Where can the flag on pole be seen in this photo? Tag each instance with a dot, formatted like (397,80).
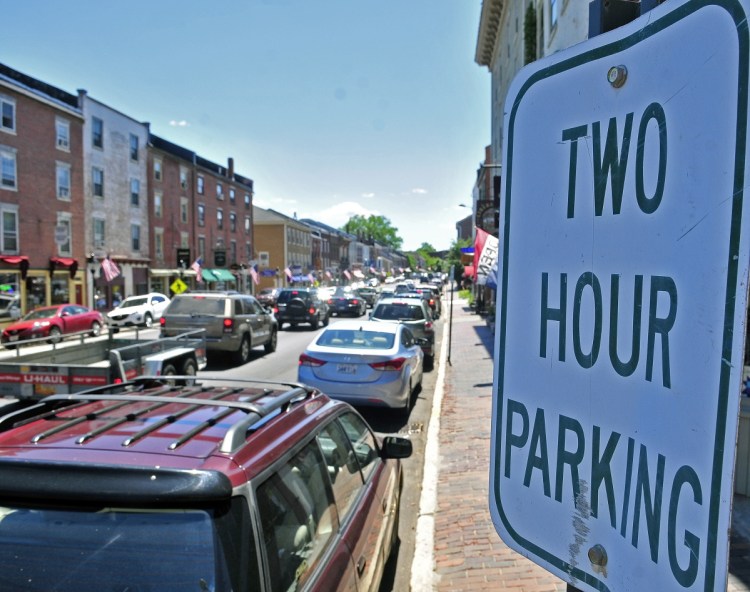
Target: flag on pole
(288,273)
(254,274)
(347,274)
(196,267)
(110,269)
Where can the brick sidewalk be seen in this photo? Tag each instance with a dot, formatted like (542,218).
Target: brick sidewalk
(468,554)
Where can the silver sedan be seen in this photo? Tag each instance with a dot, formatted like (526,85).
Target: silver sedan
(365,363)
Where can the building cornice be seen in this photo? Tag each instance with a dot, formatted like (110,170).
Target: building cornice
(489,27)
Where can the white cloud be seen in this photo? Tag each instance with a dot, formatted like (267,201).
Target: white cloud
(339,214)
(180,123)
(368,195)
(419,191)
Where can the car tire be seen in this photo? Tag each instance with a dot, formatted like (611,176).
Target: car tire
(55,335)
(429,362)
(189,367)
(168,370)
(96,329)
(314,322)
(148,320)
(326,320)
(242,355)
(270,345)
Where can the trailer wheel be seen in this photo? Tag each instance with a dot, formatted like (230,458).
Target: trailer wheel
(190,368)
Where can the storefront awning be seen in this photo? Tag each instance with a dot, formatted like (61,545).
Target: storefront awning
(218,275)
(21,260)
(67,262)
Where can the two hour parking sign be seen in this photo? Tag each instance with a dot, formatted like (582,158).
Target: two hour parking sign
(621,304)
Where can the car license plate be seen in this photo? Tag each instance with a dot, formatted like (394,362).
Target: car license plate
(13,338)
(346,368)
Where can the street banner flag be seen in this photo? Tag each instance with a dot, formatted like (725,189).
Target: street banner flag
(328,275)
(254,274)
(110,269)
(288,273)
(347,274)
(485,259)
(196,267)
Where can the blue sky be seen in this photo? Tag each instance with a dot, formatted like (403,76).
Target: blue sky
(332,107)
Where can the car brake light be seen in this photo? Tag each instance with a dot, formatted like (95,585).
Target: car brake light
(312,310)
(394,365)
(228,325)
(275,310)
(305,360)
(355,301)
(428,326)
(162,322)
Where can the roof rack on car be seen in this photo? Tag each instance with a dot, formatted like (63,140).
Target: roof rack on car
(166,394)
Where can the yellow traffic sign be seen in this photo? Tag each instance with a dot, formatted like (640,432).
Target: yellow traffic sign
(178,286)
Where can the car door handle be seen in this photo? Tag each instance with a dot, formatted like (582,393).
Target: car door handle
(361,565)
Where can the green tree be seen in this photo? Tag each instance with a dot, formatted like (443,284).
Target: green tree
(375,228)
(427,252)
(454,257)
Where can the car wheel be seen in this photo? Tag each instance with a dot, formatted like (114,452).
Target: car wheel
(429,362)
(407,406)
(148,320)
(326,320)
(55,335)
(189,367)
(270,345)
(315,322)
(243,352)
(96,328)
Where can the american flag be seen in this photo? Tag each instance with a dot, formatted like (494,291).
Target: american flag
(254,274)
(347,274)
(288,273)
(110,269)
(196,267)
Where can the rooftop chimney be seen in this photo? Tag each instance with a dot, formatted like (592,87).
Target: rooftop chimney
(230,168)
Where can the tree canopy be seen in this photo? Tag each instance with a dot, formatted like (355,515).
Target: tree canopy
(375,228)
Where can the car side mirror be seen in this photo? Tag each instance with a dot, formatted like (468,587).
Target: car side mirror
(396,447)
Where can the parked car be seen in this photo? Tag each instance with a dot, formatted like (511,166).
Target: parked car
(10,306)
(260,487)
(364,363)
(346,301)
(414,313)
(234,323)
(434,301)
(369,293)
(301,306)
(267,297)
(138,310)
(53,322)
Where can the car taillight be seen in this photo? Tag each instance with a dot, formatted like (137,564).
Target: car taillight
(432,302)
(228,325)
(275,310)
(393,365)
(311,310)
(305,360)
(162,322)
(428,326)
(355,301)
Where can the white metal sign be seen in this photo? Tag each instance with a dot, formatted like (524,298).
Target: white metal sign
(622,300)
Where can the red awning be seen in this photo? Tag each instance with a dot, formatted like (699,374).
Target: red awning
(21,260)
(67,262)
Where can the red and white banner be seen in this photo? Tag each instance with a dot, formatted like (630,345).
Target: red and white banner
(110,269)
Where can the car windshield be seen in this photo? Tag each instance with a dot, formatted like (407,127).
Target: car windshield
(40,313)
(119,549)
(132,302)
(353,339)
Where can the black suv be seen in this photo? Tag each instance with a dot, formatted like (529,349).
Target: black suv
(251,487)
(301,305)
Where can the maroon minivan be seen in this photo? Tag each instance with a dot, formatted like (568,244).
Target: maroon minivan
(242,487)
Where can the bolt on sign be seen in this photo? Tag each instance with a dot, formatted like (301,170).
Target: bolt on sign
(622,302)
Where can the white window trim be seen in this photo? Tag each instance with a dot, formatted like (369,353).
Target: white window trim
(137,181)
(63,195)
(100,243)
(137,225)
(93,183)
(12,208)
(62,143)
(158,169)
(12,153)
(65,218)
(158,204)
(159,243)
(11,101)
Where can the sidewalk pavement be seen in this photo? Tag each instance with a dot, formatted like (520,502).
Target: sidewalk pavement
(454,530)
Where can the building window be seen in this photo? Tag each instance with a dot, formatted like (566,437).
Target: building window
(97,132)
(201,215)
(232,252)
(184,240)
(201,246)
(135,237)
(219,191)
(97,178)
(64,249)
(184,210)
(232,197)
(135,192)
(247,224)
(157,205)
(247,200)
(8,168)
(62,133)
(159,243)
(63,181)
(183,178)
(133,147)
(232,222)
(99,233)
(7,114)
(200,184)
(219,219)
(9,239)
(157,170)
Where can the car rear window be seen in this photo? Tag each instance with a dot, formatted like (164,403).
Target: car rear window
(350,338)
(398,312)
(287,295)
(197,305)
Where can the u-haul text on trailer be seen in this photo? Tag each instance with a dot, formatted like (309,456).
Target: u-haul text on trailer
(622,302)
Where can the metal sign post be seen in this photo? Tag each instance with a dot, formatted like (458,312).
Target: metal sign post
(622,300)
